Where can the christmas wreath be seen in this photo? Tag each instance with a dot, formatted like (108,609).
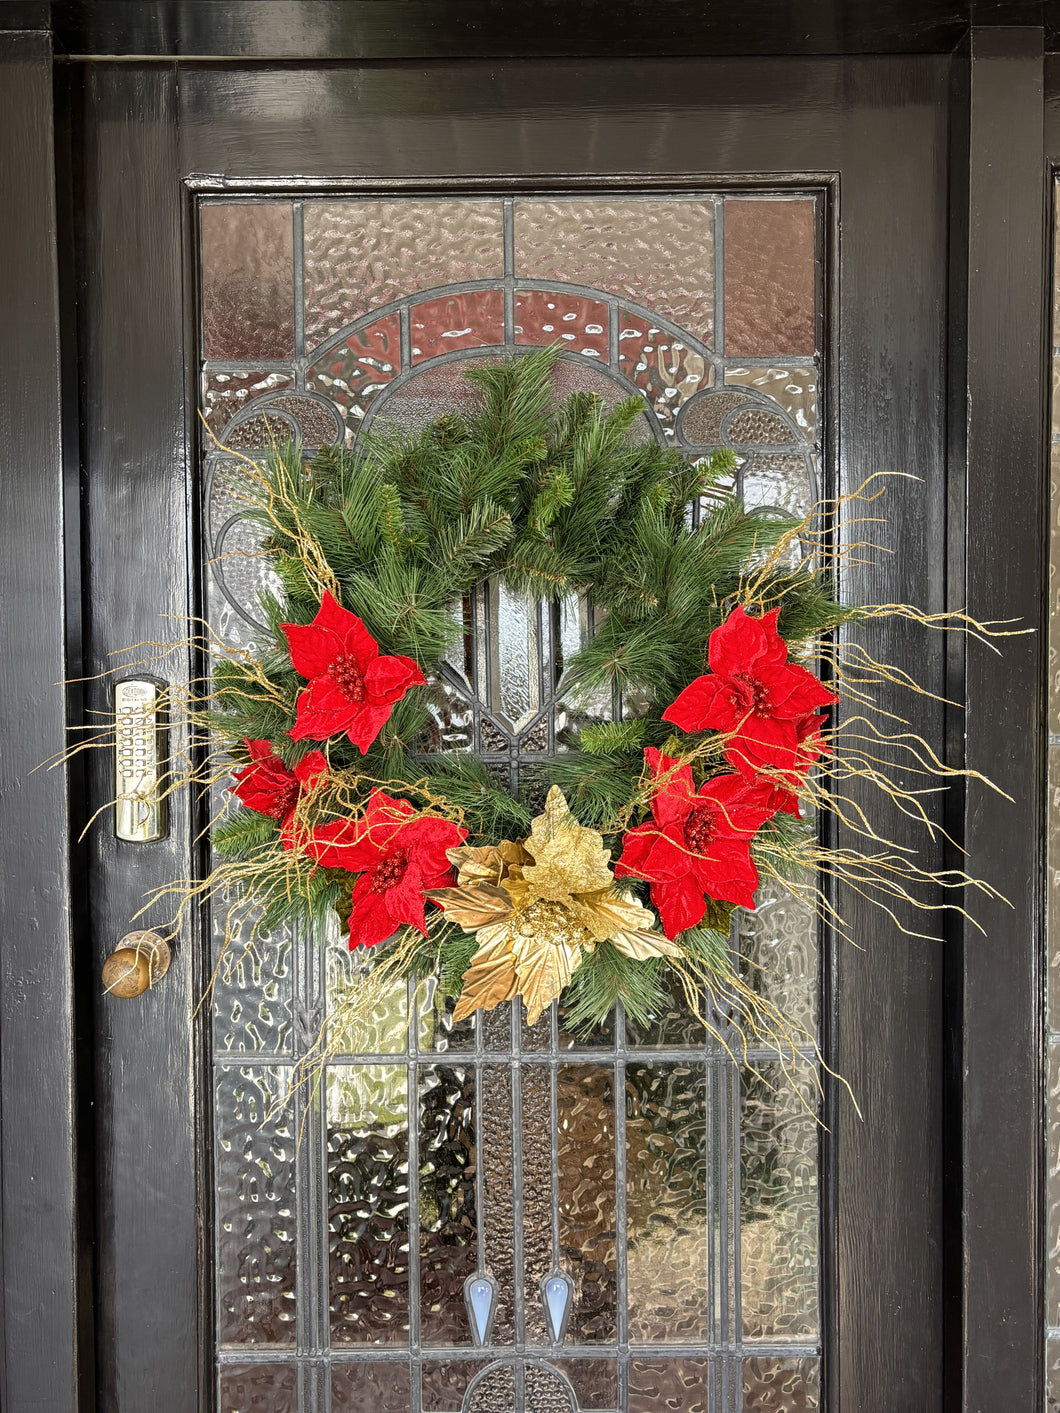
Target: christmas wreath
(715,634)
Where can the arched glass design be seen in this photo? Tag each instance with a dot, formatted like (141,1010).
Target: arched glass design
(491,1216)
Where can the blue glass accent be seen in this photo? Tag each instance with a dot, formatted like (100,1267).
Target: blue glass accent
(556,1293)
(480,1295)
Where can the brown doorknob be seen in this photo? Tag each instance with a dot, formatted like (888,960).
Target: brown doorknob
(140,960)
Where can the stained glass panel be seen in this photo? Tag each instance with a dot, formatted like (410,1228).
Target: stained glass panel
(673,1197)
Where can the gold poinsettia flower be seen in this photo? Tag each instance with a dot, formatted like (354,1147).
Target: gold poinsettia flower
(538,908)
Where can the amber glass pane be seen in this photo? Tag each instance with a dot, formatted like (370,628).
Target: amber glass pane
(770,299)
(678,1385)
(247,280)
(782,1385)
(378,1387)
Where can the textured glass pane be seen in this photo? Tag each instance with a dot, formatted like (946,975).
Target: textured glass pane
(448,1236)
(655,252)
(1054,590)
(550,316)
(368,1192)
(770,282)
(676,1025)
(498,1190)
(702,417)
(516,685)
(254,1197)
(782,1385)
(778,1204)
(594,1381)
(677,1385)
(471,320)
(778,942)
(1052,1374)
(795,389)
(547,1391)
(363,254)
(385,1031)
(537,1193)
(779,481)
(258,1388)
(225,394)
(586,1163)
(1053,884)
(379,1387)
(494,1392)
(753,426)
(252,993)
(666,371)
(247,280)
(352,375)
(443,1384)
(666,1204)
(1052,1216)
(437,1031)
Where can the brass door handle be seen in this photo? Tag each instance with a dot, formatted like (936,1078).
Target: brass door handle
(140,961)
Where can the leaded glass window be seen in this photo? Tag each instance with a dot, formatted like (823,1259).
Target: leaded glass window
(488,1216)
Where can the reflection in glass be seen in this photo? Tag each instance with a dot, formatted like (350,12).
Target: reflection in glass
(258,1388)
(380,1387)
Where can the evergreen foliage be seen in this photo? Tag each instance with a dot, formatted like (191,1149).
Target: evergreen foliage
(556,503)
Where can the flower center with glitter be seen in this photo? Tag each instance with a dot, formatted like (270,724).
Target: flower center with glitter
(748,694)
(348,677)
(553,924)
(700,828)
(390,871)
(286,799)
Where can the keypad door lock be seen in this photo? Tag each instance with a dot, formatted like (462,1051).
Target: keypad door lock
(140,814)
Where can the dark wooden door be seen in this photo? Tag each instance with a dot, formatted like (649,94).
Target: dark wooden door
(864,143)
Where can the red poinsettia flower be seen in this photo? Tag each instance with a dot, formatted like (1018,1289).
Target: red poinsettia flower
(270,787)
(786,783)
(697,844)
(351,687)
(752,693)
(399,853)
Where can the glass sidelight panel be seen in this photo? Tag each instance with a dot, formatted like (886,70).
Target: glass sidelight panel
(638,1215)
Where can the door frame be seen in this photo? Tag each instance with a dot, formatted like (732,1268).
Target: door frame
(990,1073)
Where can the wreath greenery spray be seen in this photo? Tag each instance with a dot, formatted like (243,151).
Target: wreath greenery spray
(656,825)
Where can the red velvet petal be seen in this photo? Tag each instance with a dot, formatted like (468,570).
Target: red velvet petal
(370,920)
(387,679)
(743,643)
(348,629)
(323,711)
(366,722)
(650,854)
(729,877)
(794,691)
(405,901)
(311,769)
(265,783)
(679,903)
(704,703)
(312,651)
(672,800)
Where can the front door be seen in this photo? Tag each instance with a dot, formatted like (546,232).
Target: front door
(308,252)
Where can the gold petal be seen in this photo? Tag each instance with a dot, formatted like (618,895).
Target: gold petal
(542,971)
(607,912)
(490,978)
(568,858)
(641,945)
(487,862)
(473,907)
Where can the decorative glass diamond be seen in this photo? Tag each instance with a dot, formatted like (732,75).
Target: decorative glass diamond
(480,1296)
(556,1291)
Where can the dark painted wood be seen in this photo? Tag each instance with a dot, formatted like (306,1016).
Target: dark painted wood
(881,126)
(1005,572)
(133,363)
(37,1157)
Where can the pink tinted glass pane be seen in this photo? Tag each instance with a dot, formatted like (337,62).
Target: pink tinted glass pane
(363,254)
(594,1381)
(379,1387)
(353,373)
(473,320)
(258,1388)
(247,280)
(658,253)
(770,284)
(549,316)
(444,1384)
